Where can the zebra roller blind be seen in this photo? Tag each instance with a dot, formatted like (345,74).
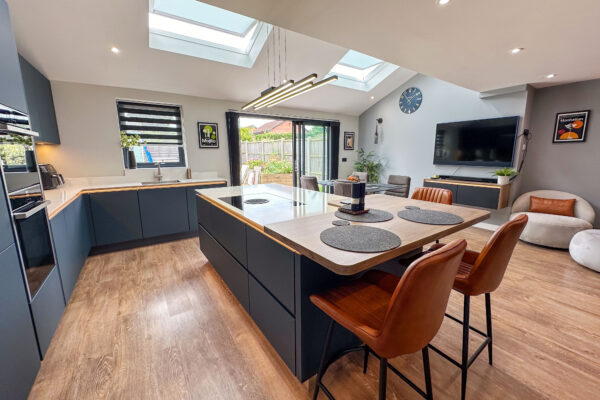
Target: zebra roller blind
(160,128)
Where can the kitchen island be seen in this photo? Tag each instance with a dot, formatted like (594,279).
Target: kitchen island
(264,241)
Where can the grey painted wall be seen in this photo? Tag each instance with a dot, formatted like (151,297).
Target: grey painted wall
(407,142)
(569,167)
(89,129)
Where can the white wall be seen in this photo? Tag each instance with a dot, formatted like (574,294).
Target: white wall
(89,129)
(407,142)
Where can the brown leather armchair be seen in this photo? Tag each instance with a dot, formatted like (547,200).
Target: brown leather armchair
(434,195)
(391,315)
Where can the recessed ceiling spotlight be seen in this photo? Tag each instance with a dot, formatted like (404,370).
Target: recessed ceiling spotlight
(517,50)
(372,97)
(442,2)
(115,50)
(550,76)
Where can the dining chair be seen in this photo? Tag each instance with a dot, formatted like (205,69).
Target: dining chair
(481,273)
(432,194)
(342,188)
(309,182)
(392,316)
(403,182)
(362,176)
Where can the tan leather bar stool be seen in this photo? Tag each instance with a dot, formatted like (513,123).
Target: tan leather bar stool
(482,273)
(434,195)
(391,315)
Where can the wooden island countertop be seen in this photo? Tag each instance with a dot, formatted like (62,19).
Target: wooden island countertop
(299,227)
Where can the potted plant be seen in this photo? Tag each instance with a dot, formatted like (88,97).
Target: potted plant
(129,142)
(367,163)
(504,175)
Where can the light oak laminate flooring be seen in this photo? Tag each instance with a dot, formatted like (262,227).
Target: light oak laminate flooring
(158,323)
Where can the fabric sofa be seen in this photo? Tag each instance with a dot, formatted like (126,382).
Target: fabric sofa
(553,230)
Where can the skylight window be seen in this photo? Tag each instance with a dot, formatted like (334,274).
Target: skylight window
(201,30)
(360,71)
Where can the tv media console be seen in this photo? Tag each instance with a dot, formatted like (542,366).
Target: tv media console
(476,194)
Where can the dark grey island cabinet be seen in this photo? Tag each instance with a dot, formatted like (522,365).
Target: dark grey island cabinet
(273,283)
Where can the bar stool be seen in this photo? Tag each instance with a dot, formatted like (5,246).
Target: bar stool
(391,315)
(482,273)
(432,194)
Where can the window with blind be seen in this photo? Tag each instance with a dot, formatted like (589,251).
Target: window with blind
(160,128)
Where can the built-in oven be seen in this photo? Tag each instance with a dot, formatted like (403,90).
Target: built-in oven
(23,186)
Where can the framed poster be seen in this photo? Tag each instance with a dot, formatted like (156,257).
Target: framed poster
(570,127)
(208,135)
(348,140)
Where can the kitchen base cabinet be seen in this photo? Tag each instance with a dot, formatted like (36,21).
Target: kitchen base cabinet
(116,217)
(232,273)
(163,211)
(19,360)
(47,307)
(72,242)
(191,200)
(274,321)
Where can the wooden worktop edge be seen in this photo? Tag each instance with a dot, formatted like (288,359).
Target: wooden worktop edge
(128,188)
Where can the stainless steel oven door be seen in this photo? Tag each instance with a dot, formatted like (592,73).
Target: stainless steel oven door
(35,243)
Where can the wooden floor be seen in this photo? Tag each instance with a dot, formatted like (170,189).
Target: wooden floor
(158,323)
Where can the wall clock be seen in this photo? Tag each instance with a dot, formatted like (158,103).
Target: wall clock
(410,100)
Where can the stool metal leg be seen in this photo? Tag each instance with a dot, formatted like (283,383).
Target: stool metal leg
(366,360)
(383,365)
(427,371)
(323,360)
(488,316)
(465,348)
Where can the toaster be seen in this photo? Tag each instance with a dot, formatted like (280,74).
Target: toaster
(50,178)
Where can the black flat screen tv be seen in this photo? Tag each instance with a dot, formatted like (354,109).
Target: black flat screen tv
(482,142)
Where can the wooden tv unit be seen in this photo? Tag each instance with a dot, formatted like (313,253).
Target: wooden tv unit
(476,194)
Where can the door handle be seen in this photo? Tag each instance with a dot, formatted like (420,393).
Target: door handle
(32,211)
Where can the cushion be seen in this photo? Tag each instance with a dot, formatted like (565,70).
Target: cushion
(552,206)
(551,230)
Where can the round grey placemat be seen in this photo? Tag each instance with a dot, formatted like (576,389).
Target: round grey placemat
(256,201)
(430,217)
(373,215)
(360,238)
(340,222)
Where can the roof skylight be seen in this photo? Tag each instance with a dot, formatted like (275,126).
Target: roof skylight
(360,71)
(201,30)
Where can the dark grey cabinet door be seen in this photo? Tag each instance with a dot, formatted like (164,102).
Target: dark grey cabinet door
(77,224)
(449,186)
(116,217)
(163,211)
(478,196)
(12,93)
(40,103)
(274,321)
(47,307)
(6,231)
(192,209)
(273,266)
(20,359)
(63,246)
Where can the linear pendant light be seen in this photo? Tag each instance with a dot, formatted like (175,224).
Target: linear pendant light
(301,84)
(305,90)
(270,95)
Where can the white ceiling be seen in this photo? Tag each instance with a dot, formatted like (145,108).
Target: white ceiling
(70,40)
(466,42)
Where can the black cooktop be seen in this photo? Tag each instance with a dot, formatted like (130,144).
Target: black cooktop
(259,200)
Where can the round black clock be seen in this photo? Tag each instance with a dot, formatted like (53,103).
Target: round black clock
(410,100)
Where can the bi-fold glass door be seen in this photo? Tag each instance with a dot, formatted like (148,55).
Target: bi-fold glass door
(310,151)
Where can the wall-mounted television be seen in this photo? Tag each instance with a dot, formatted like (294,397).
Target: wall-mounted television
(483,142)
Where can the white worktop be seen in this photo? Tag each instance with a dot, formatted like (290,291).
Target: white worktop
(74,186)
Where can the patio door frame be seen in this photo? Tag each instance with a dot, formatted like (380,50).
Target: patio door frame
(331,148)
